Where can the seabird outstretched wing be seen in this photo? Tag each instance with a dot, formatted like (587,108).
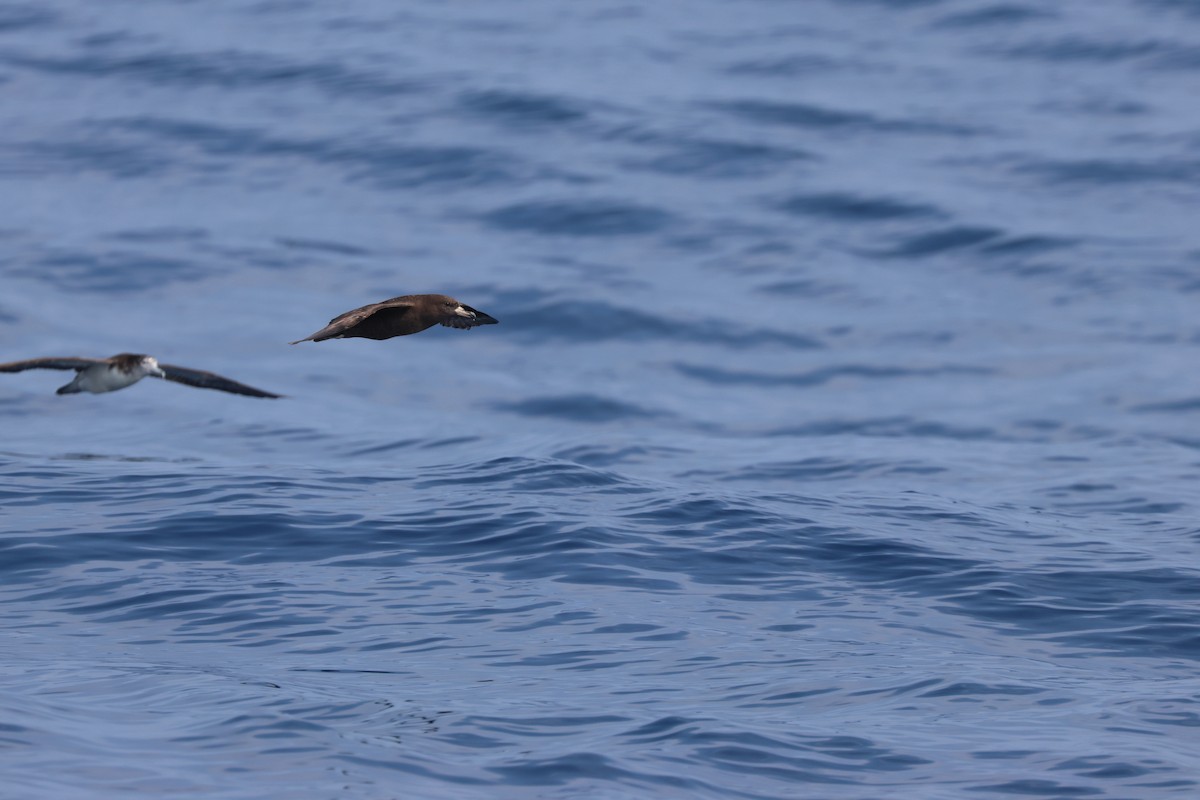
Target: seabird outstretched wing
(396,308)
(51,363)
(209,380)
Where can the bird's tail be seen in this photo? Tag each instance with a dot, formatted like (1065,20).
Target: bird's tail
(316,337)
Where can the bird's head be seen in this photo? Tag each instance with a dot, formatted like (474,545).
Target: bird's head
(151,367)
(454,308)
(459,315)
(142,364)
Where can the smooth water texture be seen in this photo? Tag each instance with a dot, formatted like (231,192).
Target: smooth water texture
(838,438)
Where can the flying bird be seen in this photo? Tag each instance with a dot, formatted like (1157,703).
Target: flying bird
(401,316)
(97,375)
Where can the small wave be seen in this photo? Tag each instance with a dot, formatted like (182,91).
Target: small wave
(854,208)
(1169,407)
(593,455)
(815,469)
(377,163)
(1031,244)
(579,218)
(938,242)
(229,70)
(116,271)
(579,408)
(803,115)
(324,246)
(117,159)
(720,376)
(994,16)
(1075,49)
(1113,171)
(901,427)
(526,474)
(712,158)
(785,66)
(804,759)
(1186,7)
(175,235)
(812,288)
(598,321)
(410,443)
(522,108)
(21,17)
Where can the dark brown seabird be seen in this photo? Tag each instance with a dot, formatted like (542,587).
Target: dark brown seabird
(97,375)
(401,316)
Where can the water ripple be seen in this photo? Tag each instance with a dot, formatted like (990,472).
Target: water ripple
(854,208)
(569,217)
(579,407)
(1113,171)
(821,118)
(597,321)
(994,16)
(719,159)
(522,108)
(816,377)
(228,70)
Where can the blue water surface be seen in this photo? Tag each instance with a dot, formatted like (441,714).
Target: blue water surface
(838,439)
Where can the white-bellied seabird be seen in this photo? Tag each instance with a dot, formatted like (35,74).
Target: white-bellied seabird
(401,316)
(98,375)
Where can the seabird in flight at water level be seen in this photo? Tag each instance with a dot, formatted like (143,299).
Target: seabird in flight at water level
(401,316)
(97,375)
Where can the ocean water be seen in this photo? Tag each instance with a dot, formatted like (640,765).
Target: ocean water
(839,437)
